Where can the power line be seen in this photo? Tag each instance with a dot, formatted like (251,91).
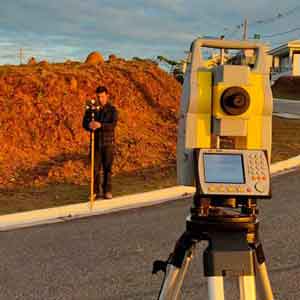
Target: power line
(280,33)
(234,31)
(277,17)
(282,42)
(268,20)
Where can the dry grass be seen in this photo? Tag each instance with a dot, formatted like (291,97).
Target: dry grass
(287,87)
(289,96)
(286,139)
(30,198)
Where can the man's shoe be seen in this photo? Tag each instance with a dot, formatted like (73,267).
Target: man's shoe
(98,197)
(108,195)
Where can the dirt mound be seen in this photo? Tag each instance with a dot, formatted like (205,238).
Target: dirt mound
(41,133)
(287,87)
(94,58)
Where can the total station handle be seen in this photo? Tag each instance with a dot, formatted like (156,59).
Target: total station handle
(259,47)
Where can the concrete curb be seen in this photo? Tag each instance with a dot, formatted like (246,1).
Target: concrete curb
(286,100)
(285,108)
(74,211)
(285,165)
(287,116)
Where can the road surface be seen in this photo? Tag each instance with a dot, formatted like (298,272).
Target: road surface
(110,256)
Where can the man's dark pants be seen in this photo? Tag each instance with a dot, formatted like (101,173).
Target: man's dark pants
(104,157)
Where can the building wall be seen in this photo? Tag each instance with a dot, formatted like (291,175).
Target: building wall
(286,60)
(276,61)
(296,64)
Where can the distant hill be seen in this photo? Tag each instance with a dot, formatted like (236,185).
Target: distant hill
(287,87)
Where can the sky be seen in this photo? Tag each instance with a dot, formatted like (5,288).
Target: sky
(70,29)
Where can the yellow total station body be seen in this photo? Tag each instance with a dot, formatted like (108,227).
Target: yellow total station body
(224,102)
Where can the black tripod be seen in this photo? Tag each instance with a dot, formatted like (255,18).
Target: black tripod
(234,249)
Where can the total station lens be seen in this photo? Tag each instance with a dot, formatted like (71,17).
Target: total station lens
(235,101)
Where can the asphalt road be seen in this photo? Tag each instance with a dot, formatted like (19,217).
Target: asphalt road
(110,256)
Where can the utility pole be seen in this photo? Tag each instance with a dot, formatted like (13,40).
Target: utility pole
(245,29)
(222,52)
(21,56)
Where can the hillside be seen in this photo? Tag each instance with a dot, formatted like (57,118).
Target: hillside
(287,87)
(42,106)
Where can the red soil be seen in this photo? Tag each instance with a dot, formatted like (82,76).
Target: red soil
(42,106)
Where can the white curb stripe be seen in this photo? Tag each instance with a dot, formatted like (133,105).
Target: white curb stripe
(284,165)
(63,213)
(287,116)
(280,100)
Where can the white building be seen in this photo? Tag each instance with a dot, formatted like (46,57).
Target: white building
(286,60)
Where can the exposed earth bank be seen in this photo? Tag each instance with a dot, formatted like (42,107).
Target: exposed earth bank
(42,106)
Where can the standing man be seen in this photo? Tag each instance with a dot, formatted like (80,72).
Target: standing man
(104,124)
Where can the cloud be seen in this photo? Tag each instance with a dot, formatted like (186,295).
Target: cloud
(128,28)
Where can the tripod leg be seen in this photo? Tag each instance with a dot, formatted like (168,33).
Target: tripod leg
(183,272)
(216,288)
(262,274)
(174,278)
(176,267)
(247,287)
(166,292)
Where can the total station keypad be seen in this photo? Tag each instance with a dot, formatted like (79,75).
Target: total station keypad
(257,167)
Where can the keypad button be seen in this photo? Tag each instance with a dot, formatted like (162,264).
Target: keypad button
(260,187)
(222,189)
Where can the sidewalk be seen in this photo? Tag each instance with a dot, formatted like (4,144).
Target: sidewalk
(285,108)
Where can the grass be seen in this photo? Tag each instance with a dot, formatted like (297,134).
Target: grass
(286,143)
(25,199)
(286,139)
(289,96)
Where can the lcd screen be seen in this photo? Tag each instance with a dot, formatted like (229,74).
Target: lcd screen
(223,168)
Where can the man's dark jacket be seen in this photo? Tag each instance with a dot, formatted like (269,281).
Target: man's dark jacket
(108,117)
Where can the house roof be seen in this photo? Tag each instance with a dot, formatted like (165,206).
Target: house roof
(284,49)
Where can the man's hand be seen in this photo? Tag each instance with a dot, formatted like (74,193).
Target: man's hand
(94,125)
